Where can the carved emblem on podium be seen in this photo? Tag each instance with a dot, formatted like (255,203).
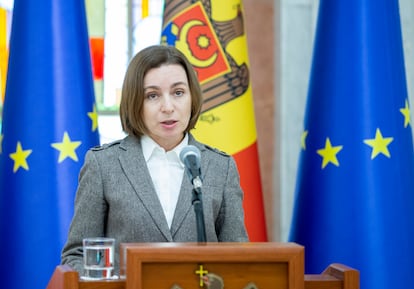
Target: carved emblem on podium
(212,281)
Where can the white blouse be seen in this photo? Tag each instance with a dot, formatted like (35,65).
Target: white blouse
(166,171)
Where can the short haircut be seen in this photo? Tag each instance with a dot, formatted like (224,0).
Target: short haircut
(133,94)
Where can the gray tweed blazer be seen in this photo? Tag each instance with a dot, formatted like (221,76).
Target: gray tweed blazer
(116,198)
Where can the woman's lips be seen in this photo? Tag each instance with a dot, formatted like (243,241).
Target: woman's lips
(169,123)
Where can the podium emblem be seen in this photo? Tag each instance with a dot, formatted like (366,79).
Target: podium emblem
(212,281)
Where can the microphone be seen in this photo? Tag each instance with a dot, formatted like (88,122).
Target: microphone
(190,157)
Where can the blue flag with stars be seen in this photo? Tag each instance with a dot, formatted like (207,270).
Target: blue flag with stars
(354,201)
(49,122)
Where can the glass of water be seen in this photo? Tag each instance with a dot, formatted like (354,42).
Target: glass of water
(98,258)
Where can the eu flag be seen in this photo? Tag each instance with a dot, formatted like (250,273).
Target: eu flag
(355,185)
(49,121)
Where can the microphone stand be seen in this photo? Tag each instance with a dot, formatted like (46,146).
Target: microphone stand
(198,209)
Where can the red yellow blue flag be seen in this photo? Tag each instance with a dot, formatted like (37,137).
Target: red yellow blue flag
(212,36)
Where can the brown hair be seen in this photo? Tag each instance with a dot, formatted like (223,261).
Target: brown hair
(132,100)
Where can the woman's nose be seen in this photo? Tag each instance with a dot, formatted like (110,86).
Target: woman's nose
(167,104)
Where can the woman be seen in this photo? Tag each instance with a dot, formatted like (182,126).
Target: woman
(135,189)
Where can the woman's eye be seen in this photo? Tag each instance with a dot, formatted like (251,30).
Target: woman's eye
(152,95)
(179,93)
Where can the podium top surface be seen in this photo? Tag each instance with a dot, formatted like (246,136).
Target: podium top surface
(209,251)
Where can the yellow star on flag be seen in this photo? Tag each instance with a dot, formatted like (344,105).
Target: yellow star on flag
(303,139)
(379,144)
(329,153)
(67,148)
(19,157)
(406,113)
(94,117)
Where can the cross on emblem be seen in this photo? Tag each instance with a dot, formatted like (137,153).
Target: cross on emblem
(201,272)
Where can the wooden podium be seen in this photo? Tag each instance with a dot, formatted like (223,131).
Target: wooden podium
(214,266)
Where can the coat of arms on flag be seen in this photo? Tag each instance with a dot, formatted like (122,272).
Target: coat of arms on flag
(203,40)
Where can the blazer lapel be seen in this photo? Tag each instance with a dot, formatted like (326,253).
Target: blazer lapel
(184,204)
(132,161)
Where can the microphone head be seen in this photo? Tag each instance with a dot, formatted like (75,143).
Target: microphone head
(190,156)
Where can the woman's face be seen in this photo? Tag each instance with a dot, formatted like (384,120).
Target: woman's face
(167,104)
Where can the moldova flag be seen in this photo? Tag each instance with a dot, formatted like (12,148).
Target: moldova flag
(217,49)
